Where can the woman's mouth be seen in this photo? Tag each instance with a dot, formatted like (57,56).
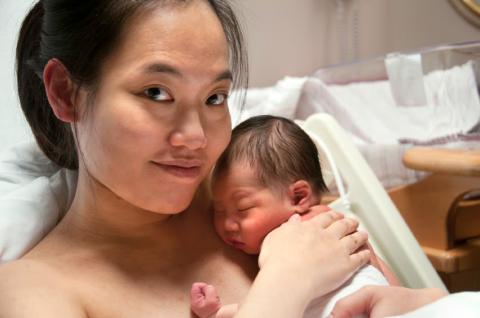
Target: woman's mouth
(185,169)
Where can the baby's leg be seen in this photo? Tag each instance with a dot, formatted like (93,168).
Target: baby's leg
(204,300)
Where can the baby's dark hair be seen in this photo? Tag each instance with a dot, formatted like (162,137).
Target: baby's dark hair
(277,149)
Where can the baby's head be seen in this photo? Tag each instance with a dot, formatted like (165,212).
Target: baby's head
(269,171)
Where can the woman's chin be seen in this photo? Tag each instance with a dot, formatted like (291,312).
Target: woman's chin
(173,205)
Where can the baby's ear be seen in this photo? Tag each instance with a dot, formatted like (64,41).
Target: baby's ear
(300,196)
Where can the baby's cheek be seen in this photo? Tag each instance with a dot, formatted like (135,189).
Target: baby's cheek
(217,224)
(261,230)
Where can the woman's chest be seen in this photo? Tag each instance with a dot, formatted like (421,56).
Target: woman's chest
(117,294)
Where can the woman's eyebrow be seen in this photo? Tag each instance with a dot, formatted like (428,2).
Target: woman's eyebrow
(165,68)
(225,75)
(161,68)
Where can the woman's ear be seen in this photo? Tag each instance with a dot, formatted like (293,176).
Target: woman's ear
(300,195)
(60,90)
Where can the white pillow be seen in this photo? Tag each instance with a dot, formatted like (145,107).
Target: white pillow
(34,195)
(280,100)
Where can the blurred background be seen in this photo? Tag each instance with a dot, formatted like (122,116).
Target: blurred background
(286,37)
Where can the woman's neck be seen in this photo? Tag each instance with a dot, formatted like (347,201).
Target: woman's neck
(98,214)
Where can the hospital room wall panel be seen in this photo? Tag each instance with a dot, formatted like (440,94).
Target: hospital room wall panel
(289,37)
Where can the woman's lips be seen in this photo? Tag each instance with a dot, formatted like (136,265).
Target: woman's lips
(181,169)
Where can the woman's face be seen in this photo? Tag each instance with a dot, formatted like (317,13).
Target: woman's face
(159,119)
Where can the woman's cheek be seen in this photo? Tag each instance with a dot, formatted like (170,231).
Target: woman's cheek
(218,137)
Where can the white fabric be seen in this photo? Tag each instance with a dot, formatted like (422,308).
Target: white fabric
(367,275)
(462,305)
(34,195)
(369,111)
(366,110)
(280,100)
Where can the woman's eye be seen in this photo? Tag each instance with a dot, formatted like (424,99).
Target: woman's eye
(157,94)
(217,99)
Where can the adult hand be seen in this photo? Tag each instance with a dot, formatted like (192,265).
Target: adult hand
(321,252)
(314,211)
(383,301)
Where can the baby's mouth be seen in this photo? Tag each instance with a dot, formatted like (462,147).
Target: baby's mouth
(235,243)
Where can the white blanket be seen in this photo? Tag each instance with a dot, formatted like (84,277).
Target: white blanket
(34,195)
(369,112)
(367,275)
(461,305)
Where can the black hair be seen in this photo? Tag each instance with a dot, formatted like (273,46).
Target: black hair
(81,35)
(277,149)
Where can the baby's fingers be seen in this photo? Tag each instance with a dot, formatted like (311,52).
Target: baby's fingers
(196,293)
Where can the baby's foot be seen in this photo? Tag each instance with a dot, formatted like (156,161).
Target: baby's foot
(204,300)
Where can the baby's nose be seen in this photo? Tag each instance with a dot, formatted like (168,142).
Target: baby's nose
(231,225)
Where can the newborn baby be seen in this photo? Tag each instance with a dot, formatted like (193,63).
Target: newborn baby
(269,172)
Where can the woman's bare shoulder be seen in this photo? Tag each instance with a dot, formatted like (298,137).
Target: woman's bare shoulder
(30,288)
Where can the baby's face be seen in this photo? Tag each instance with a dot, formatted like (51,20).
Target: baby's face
(245,211)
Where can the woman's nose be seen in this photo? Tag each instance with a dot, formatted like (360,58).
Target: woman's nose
(189,131)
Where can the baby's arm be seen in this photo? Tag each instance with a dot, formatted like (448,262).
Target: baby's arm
(205,302)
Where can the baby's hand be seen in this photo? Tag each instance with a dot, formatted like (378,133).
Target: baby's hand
(204,300)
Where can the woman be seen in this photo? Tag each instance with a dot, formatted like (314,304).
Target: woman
(138,89)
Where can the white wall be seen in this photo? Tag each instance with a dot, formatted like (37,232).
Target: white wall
(285,37)
(13,126)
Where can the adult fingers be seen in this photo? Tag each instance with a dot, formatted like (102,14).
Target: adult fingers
(321,208)
(324,220)
(343,227)
(360,258)
(354,241)
(295,218)
(355,304)
(314,211)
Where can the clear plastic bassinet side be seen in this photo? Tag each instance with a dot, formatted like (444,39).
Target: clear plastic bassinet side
(357,95)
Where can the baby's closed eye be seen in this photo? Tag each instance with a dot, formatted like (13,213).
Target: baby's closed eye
(245,205)
(245,208)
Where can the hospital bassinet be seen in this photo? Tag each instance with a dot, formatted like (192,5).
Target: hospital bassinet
(431,168)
